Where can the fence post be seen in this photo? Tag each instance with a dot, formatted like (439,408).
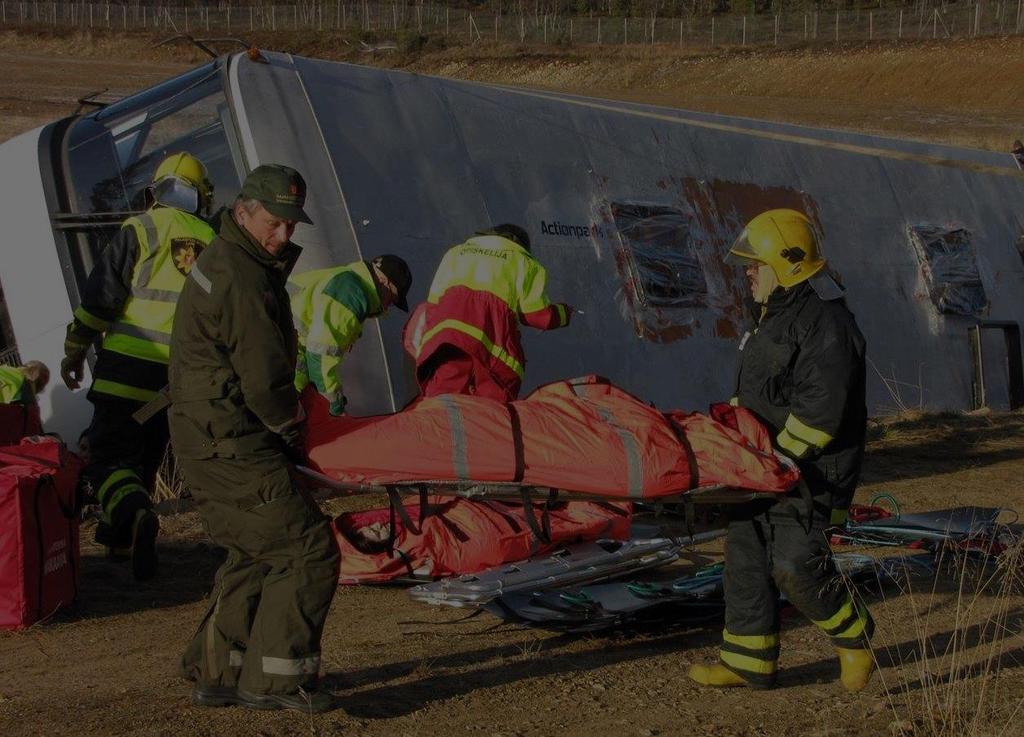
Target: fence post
(899,33)
(871,26)
(625,31)
(446,21)
(712,31)
(598,31)
(124,16)
(680,33)
(935,23)
(743,41)
(776,30)
(837,26)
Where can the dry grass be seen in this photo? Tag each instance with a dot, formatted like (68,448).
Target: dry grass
(950,684)
(963,92)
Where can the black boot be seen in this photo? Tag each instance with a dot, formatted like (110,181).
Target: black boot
(310,702)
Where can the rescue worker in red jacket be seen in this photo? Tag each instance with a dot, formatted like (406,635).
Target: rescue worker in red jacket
(802,371)
(465,339)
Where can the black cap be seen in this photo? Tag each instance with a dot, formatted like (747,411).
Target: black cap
(508,230)
(280,189)
(397,271)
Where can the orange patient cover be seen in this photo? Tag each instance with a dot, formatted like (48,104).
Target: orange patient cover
(584,435)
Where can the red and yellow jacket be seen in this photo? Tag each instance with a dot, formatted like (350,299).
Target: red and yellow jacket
(481,292)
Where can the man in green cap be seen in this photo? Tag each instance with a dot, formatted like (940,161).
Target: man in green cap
(236,426)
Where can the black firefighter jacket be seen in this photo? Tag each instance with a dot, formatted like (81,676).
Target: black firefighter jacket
(802,372)
(233,349)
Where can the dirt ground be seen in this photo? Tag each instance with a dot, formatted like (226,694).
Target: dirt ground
(403,669)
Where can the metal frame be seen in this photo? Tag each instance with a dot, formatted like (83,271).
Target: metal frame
(1014,363)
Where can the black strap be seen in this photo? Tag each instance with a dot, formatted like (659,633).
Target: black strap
(542,533)
(395,499)
(518,450)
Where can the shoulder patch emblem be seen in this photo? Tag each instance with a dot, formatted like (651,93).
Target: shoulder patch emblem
(185,251)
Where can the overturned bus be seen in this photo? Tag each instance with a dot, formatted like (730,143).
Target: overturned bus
(631,208)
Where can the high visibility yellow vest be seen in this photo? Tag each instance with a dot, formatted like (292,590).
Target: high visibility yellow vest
(170,241)
(329,307)
(14,386)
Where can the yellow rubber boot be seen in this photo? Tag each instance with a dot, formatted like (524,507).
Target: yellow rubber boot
(715,675)
(856,668)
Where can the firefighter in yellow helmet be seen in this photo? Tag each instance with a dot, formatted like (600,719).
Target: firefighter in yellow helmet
(802,371)
(129,302)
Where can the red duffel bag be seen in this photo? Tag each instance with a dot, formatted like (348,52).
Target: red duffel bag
(39,555)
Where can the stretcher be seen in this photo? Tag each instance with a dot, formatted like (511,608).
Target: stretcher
(530,496)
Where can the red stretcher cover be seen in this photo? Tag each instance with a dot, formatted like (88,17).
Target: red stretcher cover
(461,536)
(584,435)
(39,553)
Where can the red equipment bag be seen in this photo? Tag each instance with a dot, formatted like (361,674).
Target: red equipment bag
(463,536)
(18,421)
(39,555)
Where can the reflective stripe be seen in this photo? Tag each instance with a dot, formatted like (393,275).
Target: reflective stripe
(89,320)
(151,245)
(121,483)
(155,295)
(856,628)
(747,663)
(752,642)
(563,314)
(477,334)
(634,468)
(137,331)
(105,386)
(116,498)
(205,284)
(846,611)
(806,433)
(291,666)
(460,461)
(794,446)
(234,656)
(113,478)
(839,517)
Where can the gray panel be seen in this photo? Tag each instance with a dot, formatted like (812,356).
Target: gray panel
(422,162)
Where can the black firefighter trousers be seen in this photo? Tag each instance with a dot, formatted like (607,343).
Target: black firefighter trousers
(271,596)
(771,548)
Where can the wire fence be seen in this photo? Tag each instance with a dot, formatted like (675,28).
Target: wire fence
(462,26)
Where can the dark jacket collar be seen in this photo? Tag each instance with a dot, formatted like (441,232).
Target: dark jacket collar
(782,299)
(235,234)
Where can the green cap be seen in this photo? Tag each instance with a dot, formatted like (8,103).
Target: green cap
(280,189)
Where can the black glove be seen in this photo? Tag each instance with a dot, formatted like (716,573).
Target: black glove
(294,441)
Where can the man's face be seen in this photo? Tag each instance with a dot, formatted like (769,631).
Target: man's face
(762,281)
(269,230)
(388,292)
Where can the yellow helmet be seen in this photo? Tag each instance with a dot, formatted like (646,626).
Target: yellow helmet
(785,241)
(181,182)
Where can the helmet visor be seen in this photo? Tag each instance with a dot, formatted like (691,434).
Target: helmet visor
(741,253)
(177,193)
